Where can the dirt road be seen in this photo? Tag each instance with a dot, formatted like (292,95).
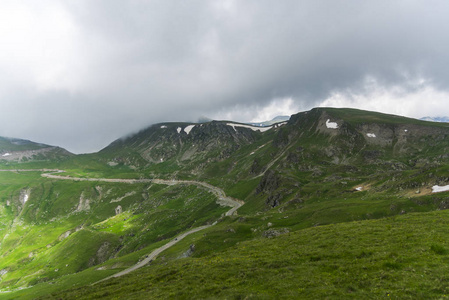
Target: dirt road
(222,199)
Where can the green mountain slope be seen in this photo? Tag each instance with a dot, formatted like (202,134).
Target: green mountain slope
(14,150)
(323,167)
(404,257)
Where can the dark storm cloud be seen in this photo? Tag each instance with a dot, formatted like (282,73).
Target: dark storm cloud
(135,63)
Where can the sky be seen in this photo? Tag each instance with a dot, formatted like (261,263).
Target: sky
(80,74)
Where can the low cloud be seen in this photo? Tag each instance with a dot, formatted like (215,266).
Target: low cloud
(80,74)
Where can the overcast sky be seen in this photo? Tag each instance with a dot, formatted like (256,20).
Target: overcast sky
(80,73)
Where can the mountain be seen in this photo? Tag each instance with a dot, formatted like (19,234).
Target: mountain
(278,119)
(19,150)
(436,119)
(340,195)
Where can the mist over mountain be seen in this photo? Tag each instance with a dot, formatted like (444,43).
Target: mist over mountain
(208,201)
(436,119)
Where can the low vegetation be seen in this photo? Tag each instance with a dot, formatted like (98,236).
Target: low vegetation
(328,213)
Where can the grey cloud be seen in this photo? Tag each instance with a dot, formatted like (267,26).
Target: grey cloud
(141,62)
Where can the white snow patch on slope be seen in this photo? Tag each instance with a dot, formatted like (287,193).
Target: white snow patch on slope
(437,188)
(25,198)
(405,130)
(188,128)
(163,126)
(179,129)
(254,128)
(359,188)
(332,125)
(6,154)
(279,124)
(371,135)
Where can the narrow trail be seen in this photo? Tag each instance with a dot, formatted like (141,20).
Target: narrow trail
(222,199)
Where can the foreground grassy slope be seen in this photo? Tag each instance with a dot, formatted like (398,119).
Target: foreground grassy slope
(399,257)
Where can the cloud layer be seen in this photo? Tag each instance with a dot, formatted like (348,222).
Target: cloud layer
(82,73)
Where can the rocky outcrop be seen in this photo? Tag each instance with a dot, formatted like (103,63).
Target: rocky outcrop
(83,204)
(271,233)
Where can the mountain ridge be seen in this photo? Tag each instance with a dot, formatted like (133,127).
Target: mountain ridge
(320,168)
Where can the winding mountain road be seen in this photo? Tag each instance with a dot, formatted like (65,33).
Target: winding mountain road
(222,199)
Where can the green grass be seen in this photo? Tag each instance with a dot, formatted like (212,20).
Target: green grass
(326,255)
(399,258)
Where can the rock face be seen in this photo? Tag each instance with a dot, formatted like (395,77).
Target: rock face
(189,251)
(118,210)
(268,185)
(24,196)
(271,233)
(12,149)
(183,141)
(65,235)
(84,204)
(103,254)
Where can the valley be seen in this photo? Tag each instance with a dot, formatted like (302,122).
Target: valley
(331,203)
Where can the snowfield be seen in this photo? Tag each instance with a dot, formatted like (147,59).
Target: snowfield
(188,128)
(163,126)
(331,125)
(371,135)
(179,129)
(254,128)
(437,188)
(359,188)
(6,154)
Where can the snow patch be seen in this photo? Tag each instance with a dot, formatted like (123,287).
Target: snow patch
(405,130)
(188,128)
(251,153)
(359,188)
(437,188)
(25,198)
(331,125)
(280,124)
(371,135)
(163,126)
(179,129)
(6,154)
(253,128)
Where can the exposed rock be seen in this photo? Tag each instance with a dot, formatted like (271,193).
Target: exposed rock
(274,200)
(189,252)
(84,204)
(269,182)
(118,210)
(102,254)
(24,196)
(64,235)
(271,233)
(123,197)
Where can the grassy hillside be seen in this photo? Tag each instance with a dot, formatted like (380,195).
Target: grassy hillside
(403,257)
(325,171)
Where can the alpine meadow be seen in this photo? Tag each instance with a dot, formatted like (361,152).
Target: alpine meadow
(331,203)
